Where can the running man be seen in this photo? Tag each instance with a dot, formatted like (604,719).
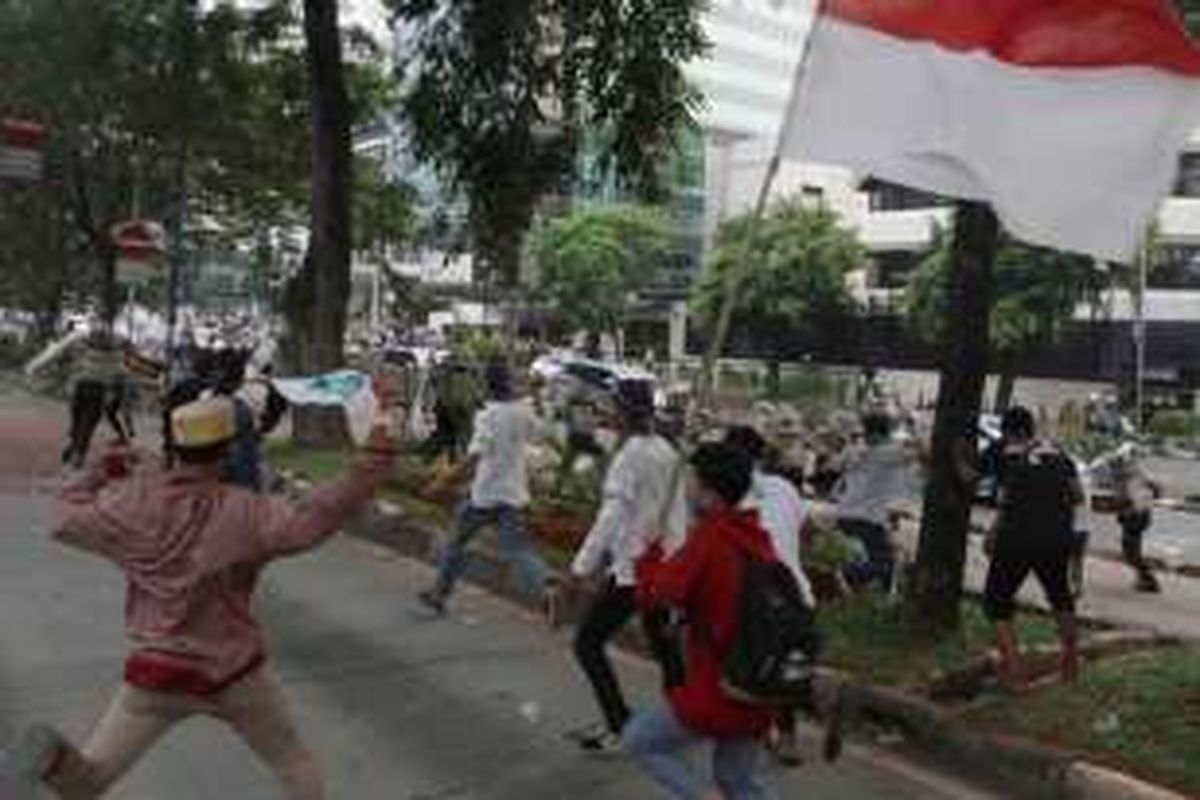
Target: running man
(192,548)
(499,492)
(643,493)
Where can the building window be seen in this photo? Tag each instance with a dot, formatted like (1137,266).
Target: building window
(1188,183)
(1178,269)
(885,196)
(892,269)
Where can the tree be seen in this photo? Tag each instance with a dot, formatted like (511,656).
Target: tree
(1036,294)
(793,288)
(1190,9)
(936,589)
(588,263)
(143,97)
(498,93)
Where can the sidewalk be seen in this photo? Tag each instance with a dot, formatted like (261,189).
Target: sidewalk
(1108,593)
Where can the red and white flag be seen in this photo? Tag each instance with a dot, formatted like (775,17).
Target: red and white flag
(1066,115)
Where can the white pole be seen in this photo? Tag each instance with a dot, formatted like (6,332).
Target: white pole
(1139,337)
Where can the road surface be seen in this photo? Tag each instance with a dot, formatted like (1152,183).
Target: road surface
(399,706)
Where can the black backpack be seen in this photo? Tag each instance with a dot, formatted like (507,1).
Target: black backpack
(776,645)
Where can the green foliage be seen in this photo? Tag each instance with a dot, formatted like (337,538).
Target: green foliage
(880,642)
(1175,425)
(1037,291)
(1137,713)
(1190,9)
(590,261)
(793,285)
(499,92)
(128,88)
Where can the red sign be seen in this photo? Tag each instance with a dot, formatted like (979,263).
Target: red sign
(21,145)
(141,245)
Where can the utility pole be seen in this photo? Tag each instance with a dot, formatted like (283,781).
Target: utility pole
(184,77)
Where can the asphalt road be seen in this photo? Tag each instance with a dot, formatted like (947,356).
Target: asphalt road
(399,706)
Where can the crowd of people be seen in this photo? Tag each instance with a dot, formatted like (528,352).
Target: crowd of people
(681,524)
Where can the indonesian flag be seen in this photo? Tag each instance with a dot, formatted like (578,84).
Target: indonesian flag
(1066,115)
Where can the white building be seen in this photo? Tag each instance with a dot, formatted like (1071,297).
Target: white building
(748,78)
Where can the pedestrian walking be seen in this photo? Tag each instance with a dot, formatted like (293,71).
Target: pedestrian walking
(705,580)
(643,500)
(191,548)
(1135,514)
(1034,532)
(499,491)
(783,514)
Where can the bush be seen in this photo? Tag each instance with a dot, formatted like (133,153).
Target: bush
(1175,425)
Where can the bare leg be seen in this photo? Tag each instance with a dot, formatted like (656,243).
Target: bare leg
(1068,636)
(256,709)
(1010,671)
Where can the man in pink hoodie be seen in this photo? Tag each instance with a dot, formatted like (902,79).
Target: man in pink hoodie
(192,549)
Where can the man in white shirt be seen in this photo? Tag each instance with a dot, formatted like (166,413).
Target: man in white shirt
(499,492)
(643,501)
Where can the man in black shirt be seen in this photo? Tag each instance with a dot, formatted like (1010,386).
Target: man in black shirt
(1033,532)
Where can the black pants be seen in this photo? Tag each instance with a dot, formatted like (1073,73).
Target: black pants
(89,404)
(880,568)
(1009,569)
(1134,525)
(610,610)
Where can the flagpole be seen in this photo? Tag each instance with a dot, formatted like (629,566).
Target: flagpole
(737,270)
(1139,336)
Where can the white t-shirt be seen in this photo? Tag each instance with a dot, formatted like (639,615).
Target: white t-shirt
(782,513)
(637,489)
(503,431)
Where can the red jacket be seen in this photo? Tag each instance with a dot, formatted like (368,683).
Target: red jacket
(704,579)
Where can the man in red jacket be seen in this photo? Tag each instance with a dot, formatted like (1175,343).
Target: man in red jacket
(704,579)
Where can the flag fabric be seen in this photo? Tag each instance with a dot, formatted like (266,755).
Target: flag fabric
(353,391)
(1068,116)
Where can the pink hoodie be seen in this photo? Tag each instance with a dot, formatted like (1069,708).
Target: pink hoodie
(191,549)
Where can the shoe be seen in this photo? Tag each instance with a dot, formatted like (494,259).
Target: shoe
(1147,584)
(35,755)
(433,600)
(784,750)
(597,739)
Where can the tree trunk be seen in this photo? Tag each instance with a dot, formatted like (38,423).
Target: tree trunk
(315,305)
(936,588)
(774,377)
(1006,388)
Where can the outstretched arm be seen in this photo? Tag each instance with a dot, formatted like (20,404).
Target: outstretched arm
(284,529)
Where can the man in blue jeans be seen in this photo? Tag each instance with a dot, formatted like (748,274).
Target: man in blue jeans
(499,492)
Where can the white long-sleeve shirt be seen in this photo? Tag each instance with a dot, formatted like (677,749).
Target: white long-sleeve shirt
(782,512)
(645,477)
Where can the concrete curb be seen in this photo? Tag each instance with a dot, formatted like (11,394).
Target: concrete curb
(1021,768)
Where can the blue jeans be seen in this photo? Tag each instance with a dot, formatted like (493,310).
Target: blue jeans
(515,546)
(656,740)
